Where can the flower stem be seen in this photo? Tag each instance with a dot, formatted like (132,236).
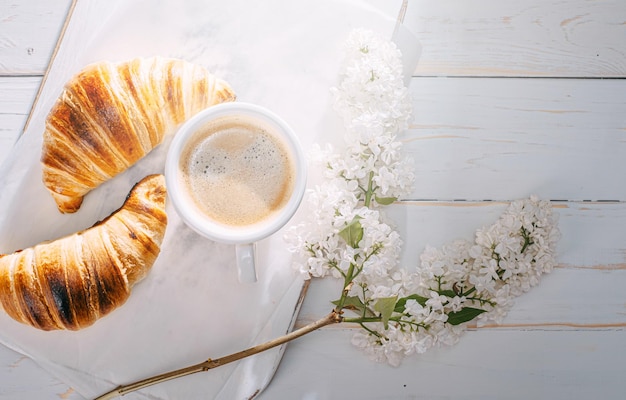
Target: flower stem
(370,190)
(332,318)
(347,284)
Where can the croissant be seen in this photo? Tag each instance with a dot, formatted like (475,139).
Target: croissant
(71,282)
(109,116)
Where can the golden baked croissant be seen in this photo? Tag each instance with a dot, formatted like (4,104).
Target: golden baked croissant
(111,115)
(70,282)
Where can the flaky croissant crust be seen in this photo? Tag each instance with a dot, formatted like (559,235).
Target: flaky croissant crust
(110,115)
(71,282)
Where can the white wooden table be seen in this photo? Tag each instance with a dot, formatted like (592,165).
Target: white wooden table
(511,99)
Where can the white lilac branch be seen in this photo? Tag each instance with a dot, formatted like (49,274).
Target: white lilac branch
(405,311)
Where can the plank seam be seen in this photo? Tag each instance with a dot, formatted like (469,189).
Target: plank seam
(547,77)
(443,200)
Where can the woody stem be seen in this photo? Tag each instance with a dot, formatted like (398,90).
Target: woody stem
(332,318)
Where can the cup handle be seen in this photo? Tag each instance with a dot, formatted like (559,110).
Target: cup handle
(246,262)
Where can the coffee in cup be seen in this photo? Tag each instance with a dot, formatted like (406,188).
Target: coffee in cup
(237,170)
(236,174)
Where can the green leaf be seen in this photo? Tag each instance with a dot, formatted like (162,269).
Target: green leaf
(401,303)
(385,201)
(352,233)
(448,293)
(352,303)
(385,306)
(464,315)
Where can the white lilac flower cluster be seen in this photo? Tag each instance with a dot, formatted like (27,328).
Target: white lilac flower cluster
(375,106)
(403,312)
(372,171)
(466,282)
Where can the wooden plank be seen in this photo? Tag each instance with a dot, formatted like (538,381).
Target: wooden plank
(485,364)
(488,38)
(29,31)
(482,138)
(592,234)
(592,250)
(576,38)
(497,139)
(456,39)
(16,98)
(559,302)
(17,94)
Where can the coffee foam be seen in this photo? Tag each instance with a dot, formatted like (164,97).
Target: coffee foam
(237,171)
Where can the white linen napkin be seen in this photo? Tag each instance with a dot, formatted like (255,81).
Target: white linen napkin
(283,55)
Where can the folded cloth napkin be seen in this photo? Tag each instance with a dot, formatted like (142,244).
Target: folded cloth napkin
(282,55)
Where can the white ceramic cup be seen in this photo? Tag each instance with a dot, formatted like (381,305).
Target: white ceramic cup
(244,237)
